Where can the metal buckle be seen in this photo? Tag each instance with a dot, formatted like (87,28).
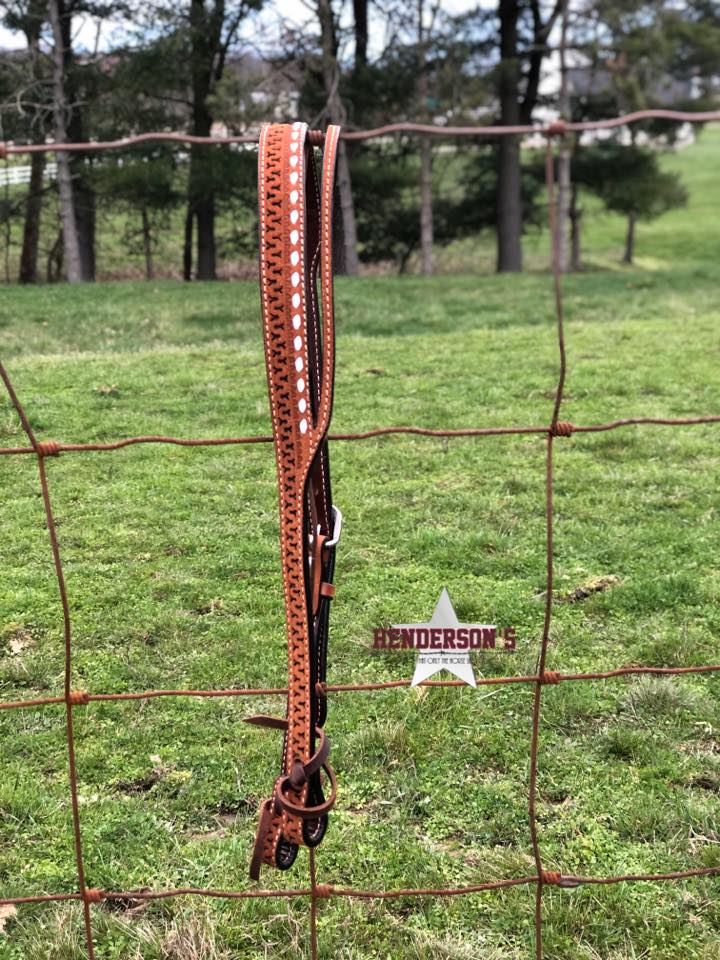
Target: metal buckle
(337,528)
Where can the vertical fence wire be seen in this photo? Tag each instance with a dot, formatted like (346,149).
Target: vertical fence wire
(71,700)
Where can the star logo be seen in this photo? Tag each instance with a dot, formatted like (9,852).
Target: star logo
(430,662)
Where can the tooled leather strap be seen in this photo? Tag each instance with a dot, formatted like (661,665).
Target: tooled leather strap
(296,247)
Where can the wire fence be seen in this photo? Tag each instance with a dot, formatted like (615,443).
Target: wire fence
(134,222)
(556,429)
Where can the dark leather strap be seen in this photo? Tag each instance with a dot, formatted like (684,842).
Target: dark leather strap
(298,326)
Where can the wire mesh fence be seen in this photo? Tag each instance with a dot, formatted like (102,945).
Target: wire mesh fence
(554,431)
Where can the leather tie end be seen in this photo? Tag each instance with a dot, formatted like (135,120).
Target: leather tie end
(261,720)
(259,847)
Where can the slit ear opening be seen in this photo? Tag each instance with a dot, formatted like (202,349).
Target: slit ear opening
(285,854)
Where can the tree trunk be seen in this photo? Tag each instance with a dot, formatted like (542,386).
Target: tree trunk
(509,185)
(205,217)
(426,209)
(201,209)
(55,259)
(64,179)
(31,228)
(564,155)
(563,204)
(84,197)
(360,17)
(629,254)
(187,245)
(575,231)
(147,245)
(83,192)
(36,12)
(509,207)
(351,264)
(206,30)
(335,113)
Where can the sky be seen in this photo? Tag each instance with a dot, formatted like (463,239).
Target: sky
(293,12)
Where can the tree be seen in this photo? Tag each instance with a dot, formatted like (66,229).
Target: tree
(78,76)
(213,28)
(29,108)
(389,201)
(180,71)
(523,45)
(631,56)
(564,191)
(71,242)
(143,182)
(629,181)
(424,39)
(335,112)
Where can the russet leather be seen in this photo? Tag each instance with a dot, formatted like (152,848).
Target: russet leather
(296,238)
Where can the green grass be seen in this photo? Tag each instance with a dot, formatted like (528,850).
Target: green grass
(172,569)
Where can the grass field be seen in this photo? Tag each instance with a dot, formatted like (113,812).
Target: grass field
(172,568)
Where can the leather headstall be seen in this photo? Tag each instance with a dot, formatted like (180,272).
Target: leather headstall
(296,240)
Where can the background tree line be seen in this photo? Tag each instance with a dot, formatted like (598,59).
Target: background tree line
(226,65)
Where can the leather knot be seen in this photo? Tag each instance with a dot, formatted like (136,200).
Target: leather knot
(48,448)
(297,777)
(324,890)
(558,128)
(316,138)
(551,877)
(550,676)
(94,895)
(321,688)
(562,429)
(79,698)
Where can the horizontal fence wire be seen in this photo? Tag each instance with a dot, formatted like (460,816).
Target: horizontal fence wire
(73,699)
(51,448)
(554,129)
(83,697)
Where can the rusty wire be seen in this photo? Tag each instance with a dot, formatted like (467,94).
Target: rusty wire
(74,699)
(54,448)
(555,129)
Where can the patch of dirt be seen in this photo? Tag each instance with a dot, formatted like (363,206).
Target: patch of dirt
(129,906)
(145,784)
(17,638)
(224,821)
(705,783)
(227,812)
(8,912)
(216,603)
(590,587)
